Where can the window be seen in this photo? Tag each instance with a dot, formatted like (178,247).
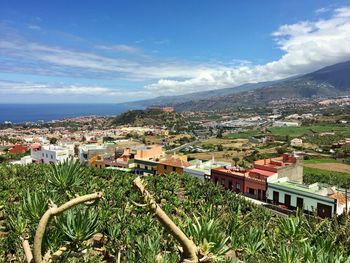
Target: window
(51,156)
(216,180)
(165,167)
(251,191)
(223,182)
(46,155)
(146,167)
(138,166)
(238,186)
(42,154)
(174,169)
(230,184)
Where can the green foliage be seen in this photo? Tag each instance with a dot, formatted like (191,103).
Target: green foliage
(243,135)
(313,175)
(65,176)
(78,224)
(218,220)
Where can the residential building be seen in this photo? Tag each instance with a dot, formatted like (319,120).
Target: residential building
(49,154)
(172,165)
(253,182)
(296,142)
(35,151)
(288,165)
(202,170)
(86,152)
(285,124)
(18,149)
(163,109)
(255,185)
(97,161)
(24,160)
(145,152)
(144,167)
(230,177)
(325,200)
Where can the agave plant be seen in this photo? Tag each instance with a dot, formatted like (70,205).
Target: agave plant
(208,236)
(66,175)
(34,205)
(78,225)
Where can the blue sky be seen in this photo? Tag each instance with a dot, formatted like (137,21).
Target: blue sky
(115,51)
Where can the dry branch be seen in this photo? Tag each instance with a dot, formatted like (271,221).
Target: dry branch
(54,211)
(189,248)
(27,251)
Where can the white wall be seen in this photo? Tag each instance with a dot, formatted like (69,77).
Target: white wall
(54,155)
(310,202)
(195,173)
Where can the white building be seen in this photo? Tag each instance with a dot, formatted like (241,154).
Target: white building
(285,124)
(24,160)
(296,142)
(86,152)
(49,153)
(201,170)
(325,200)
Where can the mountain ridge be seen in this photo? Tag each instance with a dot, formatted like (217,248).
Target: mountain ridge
(330,81)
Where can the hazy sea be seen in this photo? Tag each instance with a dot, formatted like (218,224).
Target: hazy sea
(19,113)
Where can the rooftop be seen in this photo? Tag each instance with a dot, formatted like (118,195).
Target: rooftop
(175,162)
(238,171)
(261,172)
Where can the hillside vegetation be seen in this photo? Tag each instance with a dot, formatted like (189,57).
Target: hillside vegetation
(146,117)
(224,226)
(330,81)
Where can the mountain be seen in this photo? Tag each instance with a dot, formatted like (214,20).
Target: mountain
(327,82)
(174,100)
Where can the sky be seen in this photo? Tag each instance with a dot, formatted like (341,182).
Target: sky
(86,51)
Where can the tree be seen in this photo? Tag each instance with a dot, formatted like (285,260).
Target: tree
(220,148)
(236,160)
(53,140)
(219,135)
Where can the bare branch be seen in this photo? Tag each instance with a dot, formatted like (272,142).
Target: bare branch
(190,249)
(54,211)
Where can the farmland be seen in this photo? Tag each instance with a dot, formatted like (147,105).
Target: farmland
(313,129)
(224,226)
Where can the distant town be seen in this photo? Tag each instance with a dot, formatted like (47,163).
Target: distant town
(271,158)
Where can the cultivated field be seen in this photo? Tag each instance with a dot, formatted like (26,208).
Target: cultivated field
(337,167)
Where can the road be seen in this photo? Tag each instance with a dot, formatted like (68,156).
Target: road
(172,151)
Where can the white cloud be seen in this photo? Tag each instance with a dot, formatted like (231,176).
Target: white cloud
(308,46)
(322,10)
(120,48)
(51,91)
(34,27)
(7,87)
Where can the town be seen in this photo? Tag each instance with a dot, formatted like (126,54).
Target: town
(276,160)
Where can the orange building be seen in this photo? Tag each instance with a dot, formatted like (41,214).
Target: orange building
(163,109)
(97,162)
(172,165)
(144,152)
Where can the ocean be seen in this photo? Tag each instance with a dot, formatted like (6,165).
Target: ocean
(19,113)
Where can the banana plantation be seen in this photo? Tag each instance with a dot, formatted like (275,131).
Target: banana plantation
(67,213)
